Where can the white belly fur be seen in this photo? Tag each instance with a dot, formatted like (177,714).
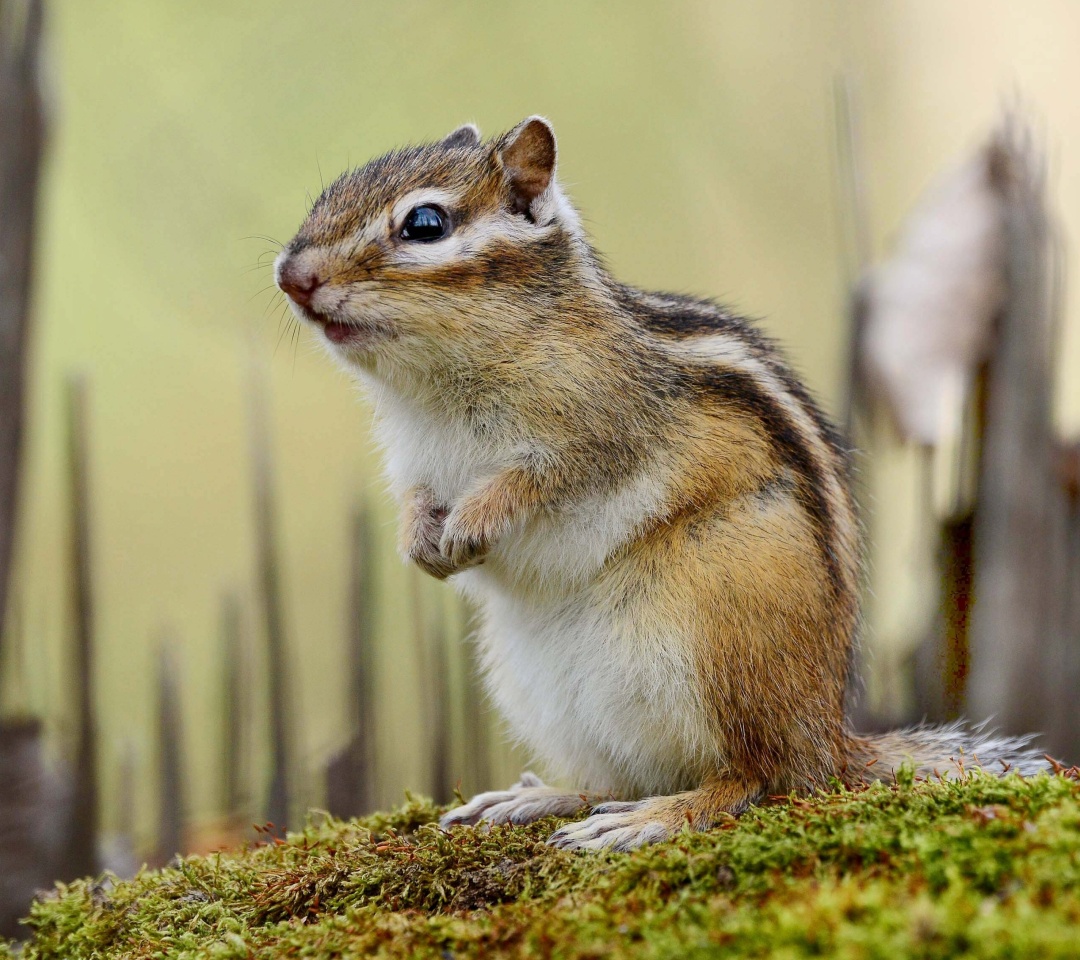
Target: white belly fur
(604,694)
(608,701)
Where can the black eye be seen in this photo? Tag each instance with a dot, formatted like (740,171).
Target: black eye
(425,224)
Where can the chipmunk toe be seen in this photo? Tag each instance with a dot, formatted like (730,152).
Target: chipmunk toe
(619,826)
(526,801)
(612,831)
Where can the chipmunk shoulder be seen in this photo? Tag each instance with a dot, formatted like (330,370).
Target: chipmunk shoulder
(650,510)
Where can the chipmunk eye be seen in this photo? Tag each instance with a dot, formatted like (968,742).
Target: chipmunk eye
(424,224)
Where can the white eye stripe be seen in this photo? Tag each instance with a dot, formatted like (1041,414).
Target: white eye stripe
(464,240)
(467,240)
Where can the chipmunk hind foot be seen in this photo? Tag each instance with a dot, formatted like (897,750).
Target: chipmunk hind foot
(528,800)
(626,826)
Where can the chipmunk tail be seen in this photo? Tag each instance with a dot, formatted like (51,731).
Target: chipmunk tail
(947,750)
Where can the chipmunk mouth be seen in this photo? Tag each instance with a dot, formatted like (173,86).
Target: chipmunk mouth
(338,332)
(344,333)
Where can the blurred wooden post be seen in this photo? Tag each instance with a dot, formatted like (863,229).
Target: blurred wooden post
(22,134)
(29,814)
(171,786)
(350,774)
(82,847)
(281,717)
(28,819)
(1064,728)
(1014,582)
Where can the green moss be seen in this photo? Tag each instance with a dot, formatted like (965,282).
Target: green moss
(983,868)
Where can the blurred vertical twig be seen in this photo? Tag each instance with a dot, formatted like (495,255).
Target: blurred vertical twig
(855,220)
(855,229)
(350,774)
(171,786)
(429,641)
(118,853)
(442,777)
(269,568)
(362,593)
(82,854)
(22,135)
(235,709)
(476,725)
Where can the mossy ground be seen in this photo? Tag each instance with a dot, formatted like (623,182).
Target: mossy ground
(982,868)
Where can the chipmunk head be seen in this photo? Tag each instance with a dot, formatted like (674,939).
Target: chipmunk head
(434,248)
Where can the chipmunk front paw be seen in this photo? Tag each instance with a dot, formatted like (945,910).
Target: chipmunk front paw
(527,800)
(423,529)
(469,532)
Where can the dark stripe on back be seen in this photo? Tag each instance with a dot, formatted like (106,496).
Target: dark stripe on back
(682,318)
(733,388)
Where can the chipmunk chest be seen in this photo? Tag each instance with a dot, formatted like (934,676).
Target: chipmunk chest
(562,549)
(443,453)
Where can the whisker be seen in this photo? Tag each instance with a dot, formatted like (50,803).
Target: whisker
(282,330)
(259,236)
(295,344)
(283,304)
(261,263)
(272,286)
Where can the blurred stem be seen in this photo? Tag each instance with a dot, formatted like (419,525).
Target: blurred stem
(171,806)
(270,594)
(82,847)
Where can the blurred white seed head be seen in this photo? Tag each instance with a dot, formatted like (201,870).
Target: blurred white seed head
(929,309)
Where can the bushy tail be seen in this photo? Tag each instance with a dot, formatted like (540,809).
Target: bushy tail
(946,750)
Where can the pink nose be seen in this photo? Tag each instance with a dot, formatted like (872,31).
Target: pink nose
(299,283)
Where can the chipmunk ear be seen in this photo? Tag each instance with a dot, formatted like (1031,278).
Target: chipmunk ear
(464,136)
(528,158)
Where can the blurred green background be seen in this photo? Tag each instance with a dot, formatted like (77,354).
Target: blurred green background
(699,141)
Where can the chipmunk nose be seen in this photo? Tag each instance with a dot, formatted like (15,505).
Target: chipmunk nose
(298,283)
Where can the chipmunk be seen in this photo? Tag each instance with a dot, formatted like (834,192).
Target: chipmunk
(651,512)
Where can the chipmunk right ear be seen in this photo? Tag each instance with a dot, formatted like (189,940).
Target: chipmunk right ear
(464,136)
(528,157)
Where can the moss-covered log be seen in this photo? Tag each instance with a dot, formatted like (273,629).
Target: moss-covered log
(984,868)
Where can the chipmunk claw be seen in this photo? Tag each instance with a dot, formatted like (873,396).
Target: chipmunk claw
(432,563)
(460,553)
(423,533)
(527,800)
(613,826)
